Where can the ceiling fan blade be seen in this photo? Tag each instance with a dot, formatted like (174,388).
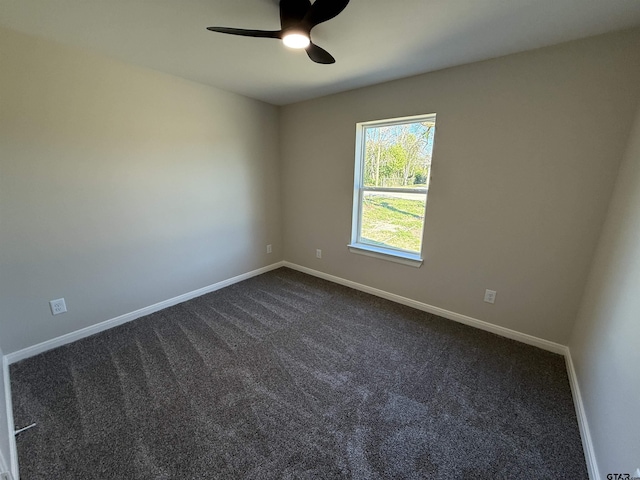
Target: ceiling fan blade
(247,33)
(319,55)
(323,10)
(292,12)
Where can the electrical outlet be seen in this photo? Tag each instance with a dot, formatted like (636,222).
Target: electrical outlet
(490,296)
(269,249)
(318,253)
(58,306)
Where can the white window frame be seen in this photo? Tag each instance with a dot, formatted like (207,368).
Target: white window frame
(397,255)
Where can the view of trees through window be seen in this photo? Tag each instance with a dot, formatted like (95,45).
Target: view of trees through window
(395,181)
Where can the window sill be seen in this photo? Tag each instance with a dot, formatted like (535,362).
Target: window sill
(403,258)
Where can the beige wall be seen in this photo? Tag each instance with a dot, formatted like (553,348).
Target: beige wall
(605,345)
(526,152)
(121,187)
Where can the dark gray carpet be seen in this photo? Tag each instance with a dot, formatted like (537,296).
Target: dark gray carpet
(289,376)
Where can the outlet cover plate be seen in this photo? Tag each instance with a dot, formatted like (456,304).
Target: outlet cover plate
(490,296)
(57,306)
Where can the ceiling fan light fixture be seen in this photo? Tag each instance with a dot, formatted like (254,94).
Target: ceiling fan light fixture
(296,40)
(297,19)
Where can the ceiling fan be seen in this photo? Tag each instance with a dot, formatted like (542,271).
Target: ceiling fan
(297,18)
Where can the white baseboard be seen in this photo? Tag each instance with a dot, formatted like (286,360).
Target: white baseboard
(583,424)
(563,350)
(127,317)
(456,317)
(4,466)
(11,464)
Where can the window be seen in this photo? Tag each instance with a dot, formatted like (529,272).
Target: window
(393,166)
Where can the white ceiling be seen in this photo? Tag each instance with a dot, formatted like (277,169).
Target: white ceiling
(372,40)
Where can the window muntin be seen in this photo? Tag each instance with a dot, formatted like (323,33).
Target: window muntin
(393,166)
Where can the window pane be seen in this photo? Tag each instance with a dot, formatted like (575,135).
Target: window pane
(398,155)
(393,166)
(393,219)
